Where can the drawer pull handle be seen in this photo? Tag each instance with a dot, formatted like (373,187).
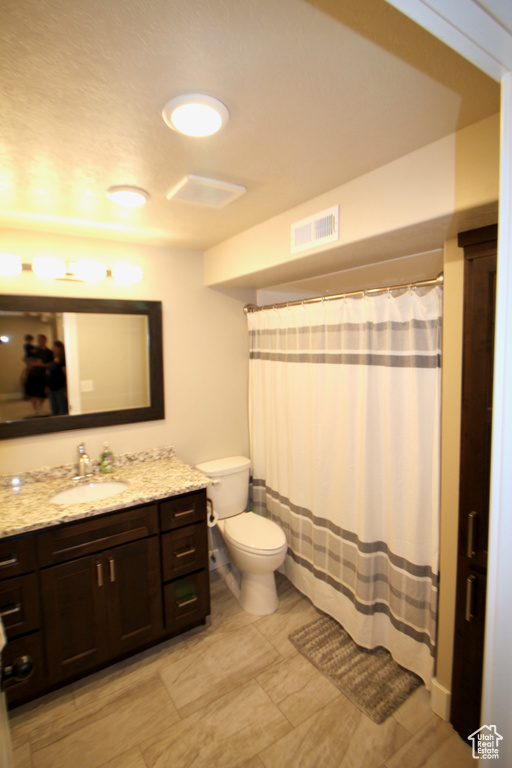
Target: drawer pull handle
(184,512)
(99,574)
(186,552)
(12,560)
(471,534)
(11,611)
(470,582)
(186,602)
(112,568)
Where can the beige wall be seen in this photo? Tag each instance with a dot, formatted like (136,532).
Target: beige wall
(205,354)
(450,451)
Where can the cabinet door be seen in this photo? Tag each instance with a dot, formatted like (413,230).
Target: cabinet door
(19,605)
(18,691)
(134,594)
(73,604)
(479,311)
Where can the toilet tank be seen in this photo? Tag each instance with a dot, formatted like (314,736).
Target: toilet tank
(231,484)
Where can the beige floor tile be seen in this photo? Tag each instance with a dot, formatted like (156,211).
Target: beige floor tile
(221,735)
(47,709)
(21,756)
(291,614)
(130,759)
(339,735)
(116,727)
(419,750)
(122,678)
(453,753)
(297,688)
(254,762)
(210,671)
(415,712)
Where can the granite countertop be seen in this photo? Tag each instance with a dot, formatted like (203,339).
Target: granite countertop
(25,499)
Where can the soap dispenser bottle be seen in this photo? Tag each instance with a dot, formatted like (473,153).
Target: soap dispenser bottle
(106,460)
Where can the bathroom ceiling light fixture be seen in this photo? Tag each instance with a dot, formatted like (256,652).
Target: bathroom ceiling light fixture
(10,265)
(126,196)
(81,271)
(48,267)
(195,114)
(126,274)
(88,271)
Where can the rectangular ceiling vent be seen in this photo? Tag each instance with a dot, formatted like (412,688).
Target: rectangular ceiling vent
(316,230)
(202,191)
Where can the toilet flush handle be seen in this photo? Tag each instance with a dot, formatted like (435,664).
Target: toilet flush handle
(210,514)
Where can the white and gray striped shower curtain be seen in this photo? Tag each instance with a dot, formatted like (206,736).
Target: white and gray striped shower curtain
(345,443)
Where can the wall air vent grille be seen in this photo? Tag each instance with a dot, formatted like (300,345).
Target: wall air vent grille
(316,230)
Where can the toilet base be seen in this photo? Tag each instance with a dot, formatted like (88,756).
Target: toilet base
(258,593)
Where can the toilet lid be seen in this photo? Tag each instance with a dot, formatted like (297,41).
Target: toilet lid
(254,533)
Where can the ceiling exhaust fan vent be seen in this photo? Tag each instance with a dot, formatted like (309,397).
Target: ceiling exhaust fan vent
(202,191)
(316,230)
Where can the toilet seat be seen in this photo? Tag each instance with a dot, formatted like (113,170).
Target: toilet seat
(253,533)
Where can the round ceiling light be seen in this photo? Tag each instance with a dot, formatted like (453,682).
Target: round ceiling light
(195,114)
(128,197)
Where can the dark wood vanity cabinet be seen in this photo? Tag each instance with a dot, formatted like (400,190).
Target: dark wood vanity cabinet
(185,560)
(108,586)
(98,608)
(21,618)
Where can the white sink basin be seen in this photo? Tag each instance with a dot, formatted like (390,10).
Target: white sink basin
(92,490)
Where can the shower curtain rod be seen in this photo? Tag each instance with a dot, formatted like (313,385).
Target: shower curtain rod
(314,300)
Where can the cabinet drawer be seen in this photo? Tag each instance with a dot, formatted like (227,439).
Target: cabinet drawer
(183,510)
(184,550)
(186,601)
(17,556)
(74,540)
(19,605)
(17,691)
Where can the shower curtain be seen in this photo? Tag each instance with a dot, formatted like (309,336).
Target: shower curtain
(345,442)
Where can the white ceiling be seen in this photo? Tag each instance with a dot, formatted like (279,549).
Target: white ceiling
(318,93)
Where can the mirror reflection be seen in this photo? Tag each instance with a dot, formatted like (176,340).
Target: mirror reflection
(77,363)
(61,363)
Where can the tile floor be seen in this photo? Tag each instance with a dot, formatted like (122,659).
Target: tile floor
(232,694)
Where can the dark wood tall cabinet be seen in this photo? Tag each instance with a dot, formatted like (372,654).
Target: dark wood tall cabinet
(480,251)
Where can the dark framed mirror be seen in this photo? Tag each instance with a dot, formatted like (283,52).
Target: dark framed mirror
(108,361)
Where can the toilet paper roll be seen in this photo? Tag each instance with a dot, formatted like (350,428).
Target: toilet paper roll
(211,518)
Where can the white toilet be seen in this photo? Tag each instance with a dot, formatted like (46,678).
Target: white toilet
(256,546)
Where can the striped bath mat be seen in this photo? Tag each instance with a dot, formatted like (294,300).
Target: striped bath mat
(372,680)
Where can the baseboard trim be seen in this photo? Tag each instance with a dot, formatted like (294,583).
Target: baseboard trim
(440,700)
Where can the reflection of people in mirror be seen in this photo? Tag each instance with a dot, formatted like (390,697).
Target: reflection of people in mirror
(37,364)
(29,351)
(56,380)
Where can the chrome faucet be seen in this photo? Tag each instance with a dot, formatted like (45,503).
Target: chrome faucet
(84,465)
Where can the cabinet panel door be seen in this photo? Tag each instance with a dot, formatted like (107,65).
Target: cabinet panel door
(17,556)
(183,510)
(73,604)
(184,550)
(19,605)
(187,601)
(23,690)
(134,594)
(96,534)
